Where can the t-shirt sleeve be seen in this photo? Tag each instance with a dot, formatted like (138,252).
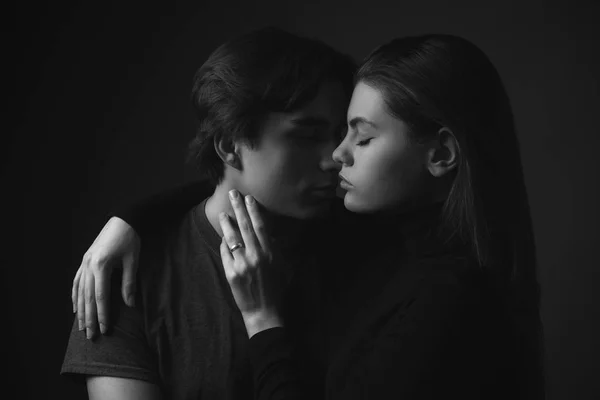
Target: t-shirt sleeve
(277,374)
(123,352)
(164,206)
(424,350)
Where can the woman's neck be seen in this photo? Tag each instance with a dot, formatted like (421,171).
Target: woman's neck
(415,228)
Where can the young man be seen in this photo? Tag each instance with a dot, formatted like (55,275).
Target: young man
(271,106)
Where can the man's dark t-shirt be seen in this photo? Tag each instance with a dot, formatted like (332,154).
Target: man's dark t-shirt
(186,333)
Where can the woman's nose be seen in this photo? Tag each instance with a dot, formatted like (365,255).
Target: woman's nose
(341,154)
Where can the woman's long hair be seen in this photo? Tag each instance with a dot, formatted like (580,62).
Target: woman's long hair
(435,81)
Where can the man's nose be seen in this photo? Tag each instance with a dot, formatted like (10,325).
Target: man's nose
(329,164)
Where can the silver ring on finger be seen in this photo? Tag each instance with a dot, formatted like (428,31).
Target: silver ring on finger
(236,246)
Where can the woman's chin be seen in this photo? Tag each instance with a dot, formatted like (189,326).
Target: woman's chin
(354,205)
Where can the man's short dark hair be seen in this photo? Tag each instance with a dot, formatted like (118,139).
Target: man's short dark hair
(267,70)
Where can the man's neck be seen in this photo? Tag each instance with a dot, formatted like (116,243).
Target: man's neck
(287,230)
(217,203)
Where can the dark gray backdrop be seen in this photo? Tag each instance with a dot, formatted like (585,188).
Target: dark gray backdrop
(99,97)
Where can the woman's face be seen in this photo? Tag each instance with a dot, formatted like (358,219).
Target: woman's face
(382,169)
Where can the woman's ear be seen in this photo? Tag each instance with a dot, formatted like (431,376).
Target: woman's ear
(228,151)
(443,154)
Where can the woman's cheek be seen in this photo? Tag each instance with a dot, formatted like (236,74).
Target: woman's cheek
(373,173)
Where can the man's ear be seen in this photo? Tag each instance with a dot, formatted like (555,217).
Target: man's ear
(228,151)
(443,155)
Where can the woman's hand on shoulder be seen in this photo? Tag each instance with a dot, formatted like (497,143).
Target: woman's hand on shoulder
(117,245)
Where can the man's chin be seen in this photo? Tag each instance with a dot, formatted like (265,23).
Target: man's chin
(312,211)
(300,212)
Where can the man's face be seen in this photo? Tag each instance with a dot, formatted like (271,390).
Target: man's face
(290,170)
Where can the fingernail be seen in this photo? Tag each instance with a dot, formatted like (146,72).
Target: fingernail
(74,309)
(249,199)
(88,333)
(233,194)
(131,300)
(80,325)
(102,328)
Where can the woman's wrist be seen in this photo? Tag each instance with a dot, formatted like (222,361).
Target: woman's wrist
(262,320)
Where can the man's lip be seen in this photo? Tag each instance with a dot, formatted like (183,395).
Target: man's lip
(326,191)
(328,186)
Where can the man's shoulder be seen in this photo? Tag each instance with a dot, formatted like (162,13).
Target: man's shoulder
(185,230)
(182,245)
(167,244)
(166,227)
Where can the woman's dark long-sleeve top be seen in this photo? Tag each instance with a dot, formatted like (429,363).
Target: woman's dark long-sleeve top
(396,314)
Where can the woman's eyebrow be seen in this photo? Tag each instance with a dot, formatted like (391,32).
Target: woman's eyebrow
(361,120)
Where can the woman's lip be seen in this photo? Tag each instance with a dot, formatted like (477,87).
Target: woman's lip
(344,184)
(344,180)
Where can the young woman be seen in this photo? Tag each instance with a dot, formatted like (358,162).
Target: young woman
(432,288)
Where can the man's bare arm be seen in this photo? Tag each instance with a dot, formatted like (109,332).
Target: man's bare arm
(112,388)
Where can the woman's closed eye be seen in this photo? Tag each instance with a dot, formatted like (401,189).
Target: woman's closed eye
(364,142)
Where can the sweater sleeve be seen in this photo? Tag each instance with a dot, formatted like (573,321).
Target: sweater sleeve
(163,206)
(277,374)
